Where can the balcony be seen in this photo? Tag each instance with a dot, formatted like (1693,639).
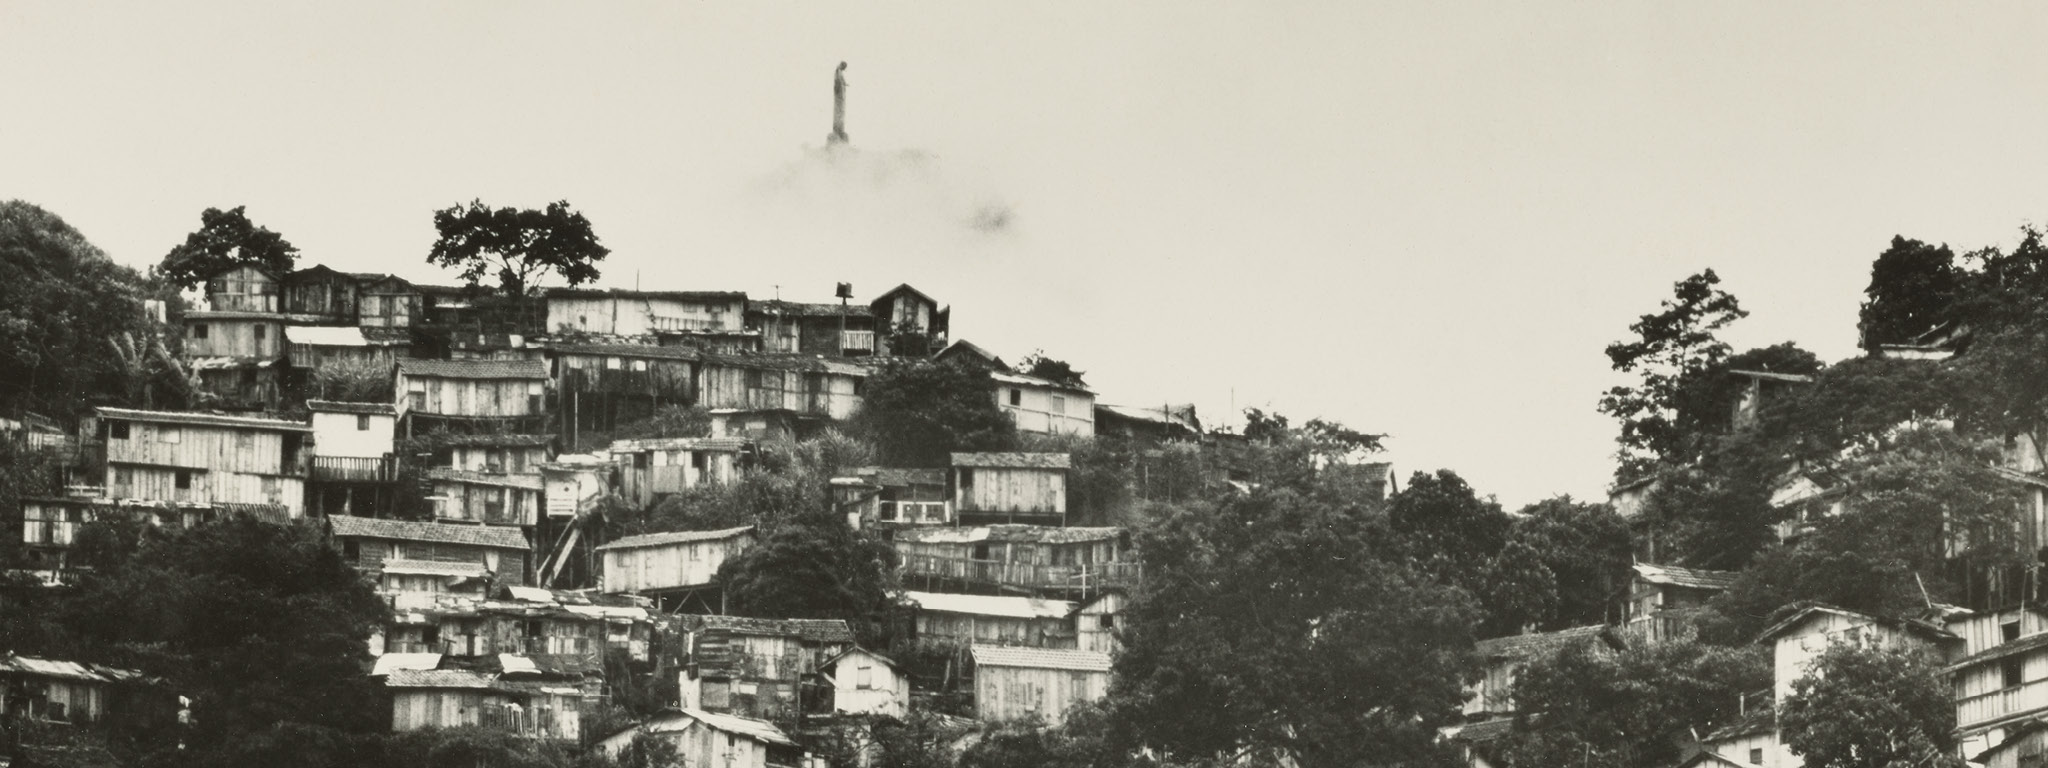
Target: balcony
(684,324)
(914,512)
(1030,575)
(2005,703)
(242,302)
(353,469)
(857,341)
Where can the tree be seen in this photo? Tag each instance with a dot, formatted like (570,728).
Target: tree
(1913,290)
(918,412)
(1587,550)
(1671,346)
(1038,365)
(61,301)
(1445,526)
(814,568)
(225,239)
(1867,706)
(516,246)
(1632,707)
(1277,623)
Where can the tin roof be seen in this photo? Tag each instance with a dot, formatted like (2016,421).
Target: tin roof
(758,730)
(673,537)
(529,482)
(1008,377)
(392,662)
(439,678)
(814,630)
(679,444)
(336,406)
(1695,578)
(1036,534)
(1014,460)
(1040,658)
(493,536)
(205,419)
(990,605)
(626,350)
(474,369)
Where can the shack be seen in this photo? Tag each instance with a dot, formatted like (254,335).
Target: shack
(650,469)
(1034,559)
(757,667)
(674,566)
(443,551)
(1010,683)
(708,739)
(951,621)
(601,387)
(1010,488)
(200,458)
(867,683)
(471,395)
(484,497)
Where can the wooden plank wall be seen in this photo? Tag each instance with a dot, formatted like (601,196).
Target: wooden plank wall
(199,446)
(996,489)
(1007,693)
(688,564)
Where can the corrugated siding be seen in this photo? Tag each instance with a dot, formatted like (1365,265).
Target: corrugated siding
(1013,490)
(687,564)
(233,337)
(206,487)
(1007,693)
(471,397)
(200,446)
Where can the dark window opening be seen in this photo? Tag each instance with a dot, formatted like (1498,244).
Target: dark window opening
(352,550)
(118,430)
(430,635)
(1108,621)
(262,332)
(184,480)
(2013,671)
(1016,397)
(699,461)
(198,330)
(2010,631)
(362,422)
(1756,755)
(981,551)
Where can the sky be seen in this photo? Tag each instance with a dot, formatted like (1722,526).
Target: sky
(1425,220)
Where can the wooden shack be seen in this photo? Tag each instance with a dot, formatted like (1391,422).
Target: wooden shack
(1045,407)
(386,301)
(651,469)
(675,562)
(492,452)
(373,545)
(894,497)
(471,395)
(1012,683)
(1099,620)
(59,691)
(523,703)
(198,458)
(243,288)
(756,667)
(1035,559)
(867,683)
(710,740)
(320,347)
(353,471)
(486,497)
(837,330)
(600,387)
(807,386)
(1028,488)
(320,294)
(49,528)
(704,319)
(907,310)
(950,621)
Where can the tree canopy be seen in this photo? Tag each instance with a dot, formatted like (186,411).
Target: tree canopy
(516,247)
(1865,706)
(1670,348)
(1634,707)
(225,239)
(917,412)
(1913,289)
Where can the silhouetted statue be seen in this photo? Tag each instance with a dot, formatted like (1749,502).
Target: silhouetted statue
(838,106)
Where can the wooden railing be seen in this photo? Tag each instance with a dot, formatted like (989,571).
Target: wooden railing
(660,323)
(2005,702)
(857,340)
(242,302)
(1023,574)
(354,469)
(915,512)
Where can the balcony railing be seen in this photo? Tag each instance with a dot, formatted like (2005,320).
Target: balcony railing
(353,469)
(685,324)
(915,512)
(2002,703)
(242,302)
(857,341)
(1088,576)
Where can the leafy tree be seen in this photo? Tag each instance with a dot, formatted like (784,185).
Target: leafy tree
(1913,289)
(1671,346)
(1450,531)
(61,301)
(918,412)
(353,381)
(1855,404)
(1717,517)
(516,246)
(1866,706)
(1081,741)
(1518,590)
(669,421)
(814,568)
(1277,623)
(225,239)
(1587,550)
(1634,707)
(1038,365)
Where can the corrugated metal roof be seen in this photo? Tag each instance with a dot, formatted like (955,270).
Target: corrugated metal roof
(325,335)
(434,568)
(1684,577)
(674,537)
(679,444)
(679,720)
(1014,460)
(336,406)
(626,350)
(392,662)
(530,482)
(815,630)
(1023,380)
(474,369)
(1036,534)
(439,678)
(494,536)
(1040,658)
(207,419)
(991,605)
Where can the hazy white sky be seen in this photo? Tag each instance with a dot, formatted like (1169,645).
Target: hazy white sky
(1422,219)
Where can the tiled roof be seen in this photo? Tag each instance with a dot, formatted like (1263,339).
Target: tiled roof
(1761,718)
(1485,730)
(493,440)
(438,678)
(494,536)
(1799,616)
(336,406)
(1014,460)
(1539,643)
(206,419)
(905,287)
(626,350)
(801,309)
(474,369)
(530,482)
(673,537)
(991,605)
(1040,658)
(1684,577)
(815,630)
(1036,534)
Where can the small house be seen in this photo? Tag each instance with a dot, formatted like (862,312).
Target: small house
(1493,695)
(1655,589)
(761,426)
(353,472)
(485,497)
(386,301)
(867,683)
(707,319)
(964,352)
(441,551)
(756,667)
(320,294)
(498,394)
(1099,621)
(1012,683)
(1148,424)
(58,691)
(1799,638)
(908,311)
(946,620)
(323,347)
(835,330)
(49,528)
(244,288)
(1045,407)
(805,386)
(894,497)
(491,453)
(1031,558)
(204,459)
(352,430)
(650,469)
(516,698)
(1028,488)
(674,562)
(710,740)
(571,485)
(601,387)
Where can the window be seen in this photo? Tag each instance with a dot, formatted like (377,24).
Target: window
(170,435)
(362,422)
(1106,621)
(199,330)
(352,550)
(639,365)
(981,551)
(1756,755)
(124,476)
(533,404)
(184,480)
(864,676)
(262,331)
(699,461)
(1016,397)
(1059,405)
(611,363)
(416,400)
(117,430)
(2013,671)
(2009,631)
